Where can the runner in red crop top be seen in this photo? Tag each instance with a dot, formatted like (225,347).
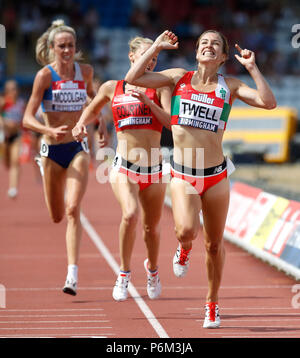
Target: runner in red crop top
(139,114)
(200,106)
(130,113)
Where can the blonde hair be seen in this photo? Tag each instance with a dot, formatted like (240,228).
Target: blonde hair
(43,51)
(136,42)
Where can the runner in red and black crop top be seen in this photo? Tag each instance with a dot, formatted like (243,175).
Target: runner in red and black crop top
(136,177)
(130,113)
(201,102)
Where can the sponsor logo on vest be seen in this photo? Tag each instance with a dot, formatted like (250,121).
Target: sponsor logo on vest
(66,108)
(131,121)
(198,124)
(223,93)
(69,85)
(202,98)
(124,99)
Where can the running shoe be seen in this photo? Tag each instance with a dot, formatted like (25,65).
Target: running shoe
(212,317)
(153,283)
(120,291)
(12,192)
(181,261)
(70,286)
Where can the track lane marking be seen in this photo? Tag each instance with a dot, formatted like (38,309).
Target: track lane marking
(69,321)
(52,315)
(115,267)
(43,328)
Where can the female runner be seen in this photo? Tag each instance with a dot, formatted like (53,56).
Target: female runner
(136,175)
(201,102)
(12,108)
(62,87)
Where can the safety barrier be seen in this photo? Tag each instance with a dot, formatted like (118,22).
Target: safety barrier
(265,225)
(265,132)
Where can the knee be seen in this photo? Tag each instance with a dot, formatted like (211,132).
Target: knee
(57,217)
(56,212)
(72,211)
(150,230)
(130,218)
(213,248)
(186,233)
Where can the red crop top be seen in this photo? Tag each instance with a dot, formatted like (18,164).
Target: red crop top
(130,113)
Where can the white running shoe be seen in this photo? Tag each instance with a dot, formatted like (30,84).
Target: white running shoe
(153,283)
(120,291)
(181,261)
(70,286)
(212,317)
(12,192)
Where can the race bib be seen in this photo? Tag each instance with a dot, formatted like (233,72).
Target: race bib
(85,145)
(44,150)
(198,115)
(68,95)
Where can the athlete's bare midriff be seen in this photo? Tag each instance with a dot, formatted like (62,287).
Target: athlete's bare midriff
(57,119)
(197,148)
(140,146)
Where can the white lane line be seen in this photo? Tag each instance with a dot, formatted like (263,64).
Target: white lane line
(196,287)
(54,335)
(78,336)
(260,336)
(33,328)
(259,320)
(258,314)
(245,309)
(115,267)
(50,309)
(52,315)
(275,332)
(271,328)
(26,322)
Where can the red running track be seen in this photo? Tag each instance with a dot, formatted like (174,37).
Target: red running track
(255,299)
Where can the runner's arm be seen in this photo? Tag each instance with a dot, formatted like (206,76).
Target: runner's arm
(92,111)
(262,96)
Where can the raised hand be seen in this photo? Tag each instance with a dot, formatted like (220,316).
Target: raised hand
(167,41)
(246,58)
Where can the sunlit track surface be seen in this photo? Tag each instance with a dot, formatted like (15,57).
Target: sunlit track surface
(256,300)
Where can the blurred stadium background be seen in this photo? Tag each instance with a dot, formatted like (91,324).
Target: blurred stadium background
(105,27)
